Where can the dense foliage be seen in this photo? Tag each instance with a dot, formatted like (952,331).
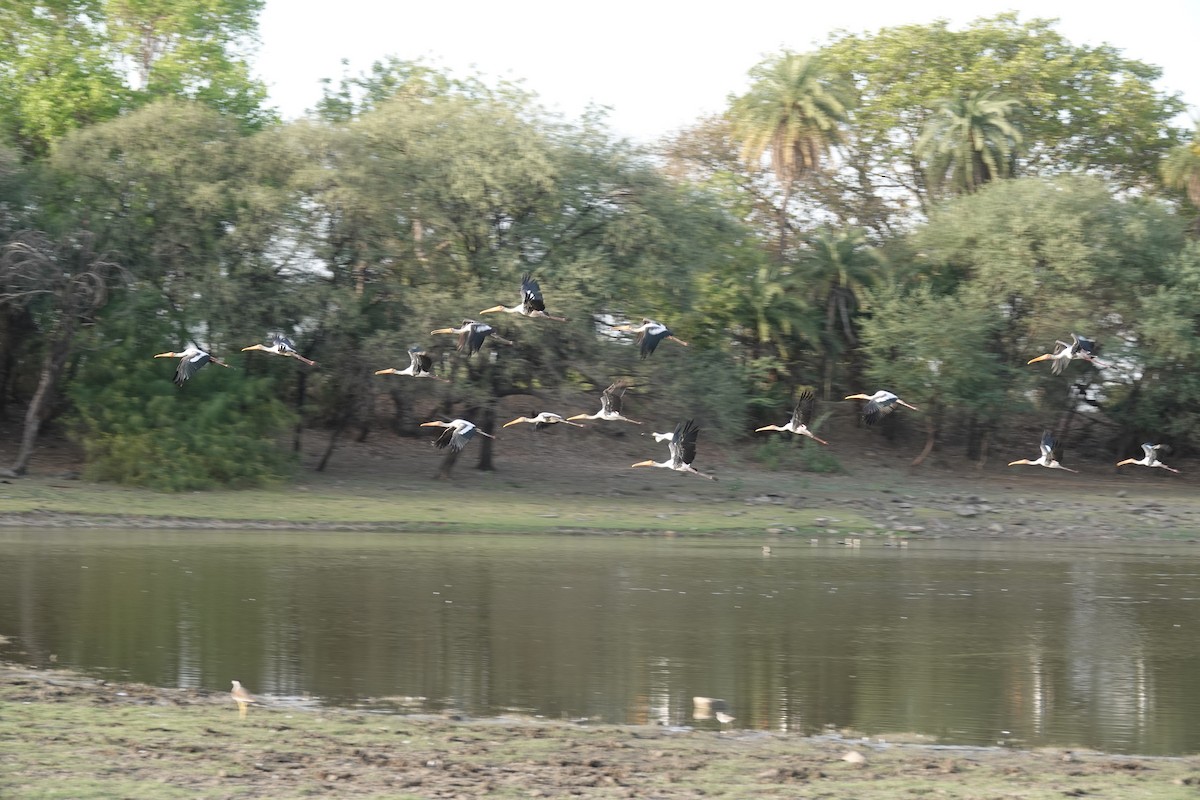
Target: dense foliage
(850,222)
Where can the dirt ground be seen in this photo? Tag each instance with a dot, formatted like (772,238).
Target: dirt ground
(67,736)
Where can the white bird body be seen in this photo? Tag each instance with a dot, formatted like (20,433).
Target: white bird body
(1080,348)
(419,366)
(471,335)
(879,405)
(281,346)
(610,405)
(456,434)
(190,362)
(683,451)
(1047,457)
(532,305)
(1149,459)
(649,334)
(542,420)
(802,416)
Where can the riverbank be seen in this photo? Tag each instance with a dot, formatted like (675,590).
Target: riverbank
(875,495)
(64,735)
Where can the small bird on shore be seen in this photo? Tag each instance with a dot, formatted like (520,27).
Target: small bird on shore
(879,405)
(1150,459)
(243,698)
(1049,457)
(190,362)
(281,346)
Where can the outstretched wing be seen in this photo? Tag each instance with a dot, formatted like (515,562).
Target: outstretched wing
(531,294)
(1151,451)
(421,362)
(686,436)
(876,410)
(610,399)
(649,338)
(1049,447)
(806,405)
(189,366)
(283,343)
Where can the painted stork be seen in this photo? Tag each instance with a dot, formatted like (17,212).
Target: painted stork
(683,451)
(649,334)
(531,305)
(281,346)
(1150,459)
(802,416)
(1079,348)
(242,697)
(610,405)
(879,405)
(419,368)
(1049,457)
(190,362)
(543,420)
(456,434)
(472,334)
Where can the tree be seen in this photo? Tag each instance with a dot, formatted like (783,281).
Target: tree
(1181,168)
(1083,108)
(794,111)
(971,139)
(63,283)
(66,64)
(836,266)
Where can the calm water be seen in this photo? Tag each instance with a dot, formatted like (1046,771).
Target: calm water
(1031,645)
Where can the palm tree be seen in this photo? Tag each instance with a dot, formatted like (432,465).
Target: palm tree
(1181,168)
(970,139)
(793,111)
(839,263)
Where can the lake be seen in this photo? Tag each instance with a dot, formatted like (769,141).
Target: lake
(1020,643)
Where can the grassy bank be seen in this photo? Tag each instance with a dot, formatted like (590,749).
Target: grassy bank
(66,736)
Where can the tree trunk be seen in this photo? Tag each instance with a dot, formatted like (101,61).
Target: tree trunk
(447,465)
(487,425)
(301,393)
(343,420)
(56,357)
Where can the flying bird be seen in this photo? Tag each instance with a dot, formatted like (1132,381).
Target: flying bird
(1150,459)
(661,437)
(281,346)
(649,334)
(242,697)
(190,362)
(802,416)
(472,334)
(610,405)
(543,420)
(1079,348)
(421,363)
(456,434)
(1049,457)
(879,405)
(683,451)
(531,305)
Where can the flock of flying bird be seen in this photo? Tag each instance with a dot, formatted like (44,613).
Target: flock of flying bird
(682,440)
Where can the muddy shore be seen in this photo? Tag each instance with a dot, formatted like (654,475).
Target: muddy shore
(66,735)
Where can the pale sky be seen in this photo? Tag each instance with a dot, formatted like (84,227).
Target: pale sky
(658,66)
